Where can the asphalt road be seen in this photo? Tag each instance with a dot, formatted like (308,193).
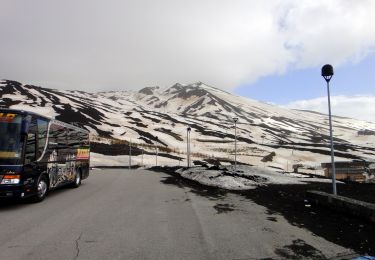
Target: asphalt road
(137,214)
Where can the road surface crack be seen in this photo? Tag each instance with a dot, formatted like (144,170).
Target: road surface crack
(77,246)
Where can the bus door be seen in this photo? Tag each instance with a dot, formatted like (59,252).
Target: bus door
(31,169)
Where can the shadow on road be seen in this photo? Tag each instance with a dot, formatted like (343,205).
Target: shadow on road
(7,204)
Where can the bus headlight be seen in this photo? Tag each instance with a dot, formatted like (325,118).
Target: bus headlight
(11,179)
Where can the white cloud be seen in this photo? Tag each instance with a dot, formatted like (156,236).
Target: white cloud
(95,44)
(358,107)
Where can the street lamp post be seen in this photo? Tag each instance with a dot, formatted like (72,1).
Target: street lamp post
(156,161)
(142,156)
(235,119)
(156,151)
(130,155)
(188,146)
(327,73)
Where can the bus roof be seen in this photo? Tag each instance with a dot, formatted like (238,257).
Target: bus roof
(24,112)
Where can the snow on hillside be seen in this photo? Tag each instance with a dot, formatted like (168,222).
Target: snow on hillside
(244,177)
(159,117)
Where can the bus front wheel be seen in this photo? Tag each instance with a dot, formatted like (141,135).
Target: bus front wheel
(42,189)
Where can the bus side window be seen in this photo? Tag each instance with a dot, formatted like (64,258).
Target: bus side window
(31,144)
(42,136)
(57,141)
(74,140)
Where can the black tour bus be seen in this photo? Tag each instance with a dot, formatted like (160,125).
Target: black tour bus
(38,154)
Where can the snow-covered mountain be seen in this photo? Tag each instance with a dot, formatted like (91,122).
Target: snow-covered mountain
(156,116)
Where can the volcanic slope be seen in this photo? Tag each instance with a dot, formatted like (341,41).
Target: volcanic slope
(156,116)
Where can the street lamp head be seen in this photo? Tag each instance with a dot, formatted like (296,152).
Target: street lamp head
(327,72)
(235,119)
(189,128)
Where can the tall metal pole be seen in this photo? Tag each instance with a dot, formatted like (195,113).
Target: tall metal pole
(189,150)
(156,151)
(130,155)
(332,147)
(142,156)
(188,146)
(235,143)
(156,156)
(327,73)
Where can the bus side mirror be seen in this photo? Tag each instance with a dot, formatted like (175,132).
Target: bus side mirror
(25,125)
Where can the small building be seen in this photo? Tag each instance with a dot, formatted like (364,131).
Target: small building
(355,170)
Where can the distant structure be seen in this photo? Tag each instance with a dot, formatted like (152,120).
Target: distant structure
(366,132)
(359,171)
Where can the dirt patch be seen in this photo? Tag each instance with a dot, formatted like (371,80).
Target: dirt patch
(212,193)
(274,219)
(299,249)
(290,201)
(224,208)
(165,169)
(254,178)
(269,158)
(354,190)
(170,180)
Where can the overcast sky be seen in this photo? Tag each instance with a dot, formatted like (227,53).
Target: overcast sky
(232,44)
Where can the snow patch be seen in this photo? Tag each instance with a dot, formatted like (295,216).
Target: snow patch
(244,178)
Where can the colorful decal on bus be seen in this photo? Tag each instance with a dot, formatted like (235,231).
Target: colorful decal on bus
(61,172)
(83,153)
(7,117)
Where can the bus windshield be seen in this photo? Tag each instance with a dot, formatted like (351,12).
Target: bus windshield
(10,138)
